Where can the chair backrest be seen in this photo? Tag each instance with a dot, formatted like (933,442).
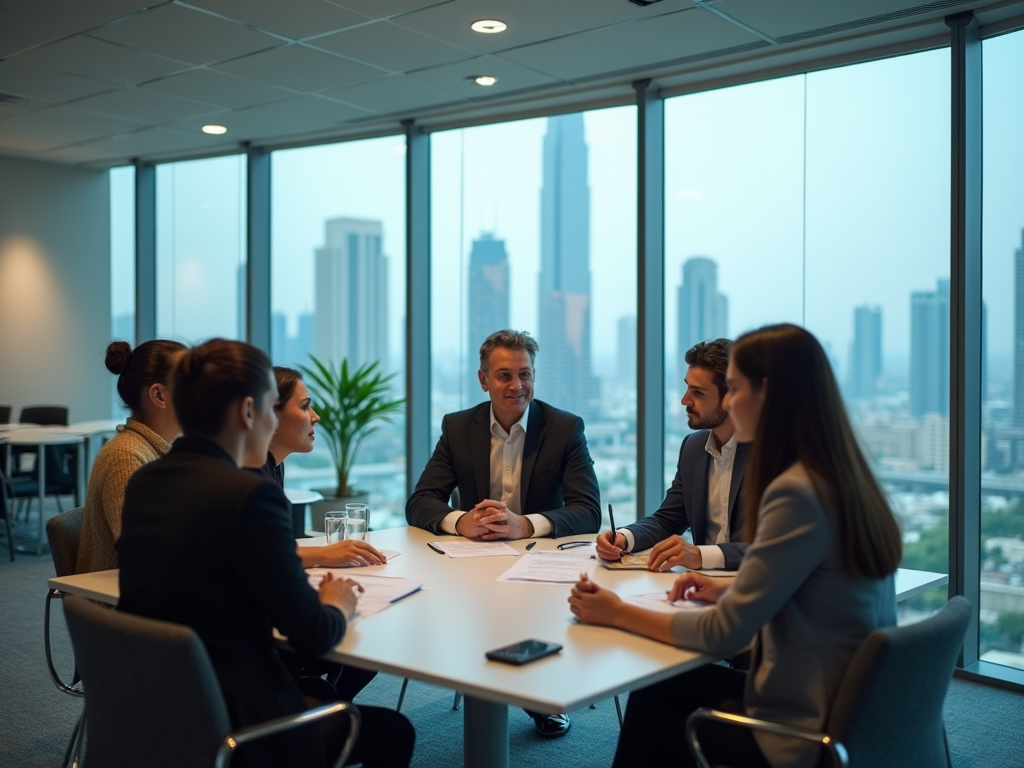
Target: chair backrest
(50,415)
(151,696)
(64,532)
(888,711)
(5,414)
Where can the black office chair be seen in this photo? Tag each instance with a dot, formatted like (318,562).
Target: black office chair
(47,415)
(61,460)
(6,510)
(5,414)
(888,711)
(181,722)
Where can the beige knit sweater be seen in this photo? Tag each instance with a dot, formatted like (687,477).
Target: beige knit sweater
(134,445)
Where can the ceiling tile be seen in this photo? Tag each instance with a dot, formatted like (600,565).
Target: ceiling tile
(299,68)
(152,140)
(21,143)
(144,105)
(455,78)
(45,84)
(529,21)
(186,35)
(391,47)
(295,19)
(644,44)
(303,114)
(12,109)
(82,153)
(393,94)
(76,15)
(381,9)
(219,88)
(795,16)
(19,32)
(66,125)
(81,55)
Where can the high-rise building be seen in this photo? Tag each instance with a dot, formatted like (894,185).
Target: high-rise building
(865,353)
(703,311)
(564,366)
(279,340)
(1018,335)
(625,350)
(488,293)
(352,294)
(929,351)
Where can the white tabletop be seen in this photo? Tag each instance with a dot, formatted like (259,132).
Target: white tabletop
(16,427)
(43,436)
(302,496)
(96,426)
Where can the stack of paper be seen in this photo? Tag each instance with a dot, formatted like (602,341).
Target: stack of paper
(379,591)
(474,548)
(551,567)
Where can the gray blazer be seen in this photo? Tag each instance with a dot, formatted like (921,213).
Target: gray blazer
(686,502)
(805,614)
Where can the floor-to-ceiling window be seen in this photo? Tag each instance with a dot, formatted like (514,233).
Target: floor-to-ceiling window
(823,199)
(201,248)
(122,264)
(533,227)
(338,269)
(1002,449)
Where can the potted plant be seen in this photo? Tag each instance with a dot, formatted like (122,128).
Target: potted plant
(351,405)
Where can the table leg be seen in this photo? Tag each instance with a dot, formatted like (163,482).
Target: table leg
(41,464)
(485,734)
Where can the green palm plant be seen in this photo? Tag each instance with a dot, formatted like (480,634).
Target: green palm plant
(351,406)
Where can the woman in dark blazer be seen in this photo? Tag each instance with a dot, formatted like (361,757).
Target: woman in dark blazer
(209,545)
(816,580)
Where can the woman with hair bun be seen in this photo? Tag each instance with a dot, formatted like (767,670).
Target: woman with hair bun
(143,383)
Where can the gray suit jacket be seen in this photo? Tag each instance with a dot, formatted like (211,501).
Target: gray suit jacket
(557,479)
(686,502)
(805,614)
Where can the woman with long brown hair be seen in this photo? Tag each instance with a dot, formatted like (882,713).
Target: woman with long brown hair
(816,580)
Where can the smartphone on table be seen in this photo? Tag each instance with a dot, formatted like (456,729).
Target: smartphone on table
(523,652)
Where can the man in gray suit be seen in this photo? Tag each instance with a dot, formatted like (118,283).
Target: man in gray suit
(706,495)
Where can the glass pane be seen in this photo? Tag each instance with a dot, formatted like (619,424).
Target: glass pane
(122,265)
(1002,448)
(338,292)
(200,249)
(533,226)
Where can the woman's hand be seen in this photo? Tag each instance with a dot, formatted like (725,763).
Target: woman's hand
(349,552)
(593,605)
(696,586)
(343,594)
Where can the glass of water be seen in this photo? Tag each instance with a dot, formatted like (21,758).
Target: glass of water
(335,526)
(357,521)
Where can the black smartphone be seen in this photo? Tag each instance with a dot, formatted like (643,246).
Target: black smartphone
(523,652)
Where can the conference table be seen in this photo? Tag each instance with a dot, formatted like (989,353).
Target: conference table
(440,635)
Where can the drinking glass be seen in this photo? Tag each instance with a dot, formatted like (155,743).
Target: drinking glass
(335,526)
(358,521)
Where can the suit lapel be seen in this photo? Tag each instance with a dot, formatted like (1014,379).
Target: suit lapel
(699,517)
(531,447)
(739,467)
(480,448)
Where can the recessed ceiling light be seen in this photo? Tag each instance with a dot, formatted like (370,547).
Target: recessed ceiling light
(216,130)
(483,79)
(488,26)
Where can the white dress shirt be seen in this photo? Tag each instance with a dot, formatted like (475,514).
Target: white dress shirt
(719,484)
(506,474)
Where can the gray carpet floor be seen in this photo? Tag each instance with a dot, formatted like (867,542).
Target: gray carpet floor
(985,725)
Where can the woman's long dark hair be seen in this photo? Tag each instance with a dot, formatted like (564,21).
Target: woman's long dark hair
(803,419)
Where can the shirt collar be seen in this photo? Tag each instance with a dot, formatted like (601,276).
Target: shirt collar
(728,449)
(521,423)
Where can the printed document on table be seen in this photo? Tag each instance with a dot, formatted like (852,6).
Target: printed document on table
(656,601)
(475,548)
(379,591)
(551,567)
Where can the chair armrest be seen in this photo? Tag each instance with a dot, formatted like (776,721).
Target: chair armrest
(61,685)
(269,728)
(835,749)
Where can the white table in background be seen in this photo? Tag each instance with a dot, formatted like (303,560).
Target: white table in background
(90,430)
(40,438)
(300,497)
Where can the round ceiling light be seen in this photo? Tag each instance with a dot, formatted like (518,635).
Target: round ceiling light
(488,26)
(486,80)
(216,130)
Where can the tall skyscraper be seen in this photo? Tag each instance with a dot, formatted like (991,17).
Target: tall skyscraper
(929,351)
(703,311)
(488,293)
(566,380)
(352,294)
(625,350)
(1018,335)
(865,353)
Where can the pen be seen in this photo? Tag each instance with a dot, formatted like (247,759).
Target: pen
(436,549)
(611,519)
(531,545)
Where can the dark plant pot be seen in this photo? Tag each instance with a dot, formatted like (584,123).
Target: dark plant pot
(332,503)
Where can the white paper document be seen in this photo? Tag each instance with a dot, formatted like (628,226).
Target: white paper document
(657,601)
(551,567)
(379,591)
(474,548)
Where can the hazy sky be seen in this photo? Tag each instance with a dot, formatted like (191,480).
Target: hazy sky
(869,144)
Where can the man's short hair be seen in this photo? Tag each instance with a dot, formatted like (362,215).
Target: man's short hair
(714,356)
(508,339)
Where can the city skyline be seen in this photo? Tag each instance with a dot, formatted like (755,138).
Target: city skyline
(703,312)
(865,353)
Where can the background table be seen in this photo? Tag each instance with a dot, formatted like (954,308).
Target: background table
(300,497)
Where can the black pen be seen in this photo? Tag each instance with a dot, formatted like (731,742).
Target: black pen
(436,549)
(531,545)
(611,519)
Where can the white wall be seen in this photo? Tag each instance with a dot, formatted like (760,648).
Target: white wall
(54,287)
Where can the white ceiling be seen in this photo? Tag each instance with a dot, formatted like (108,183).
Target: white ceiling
(99,82)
